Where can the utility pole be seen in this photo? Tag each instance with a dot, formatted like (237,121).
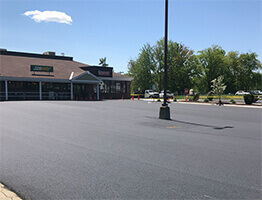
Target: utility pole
(164,112)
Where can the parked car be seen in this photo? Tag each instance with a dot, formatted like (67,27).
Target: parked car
(259,92)
(241,92)
(255,92)
(168,94)
(151,94)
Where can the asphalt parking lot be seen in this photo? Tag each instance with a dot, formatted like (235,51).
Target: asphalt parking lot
(119,149)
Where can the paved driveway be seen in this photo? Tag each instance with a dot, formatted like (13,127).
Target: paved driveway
(121,150)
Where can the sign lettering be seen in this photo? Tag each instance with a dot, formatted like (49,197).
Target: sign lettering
(103,73)
(39,68)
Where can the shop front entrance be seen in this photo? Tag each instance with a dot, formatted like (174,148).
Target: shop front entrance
(84,92)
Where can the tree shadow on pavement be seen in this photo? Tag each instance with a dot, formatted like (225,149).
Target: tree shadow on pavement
(203,125)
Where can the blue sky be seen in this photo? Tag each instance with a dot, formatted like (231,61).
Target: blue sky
(117,29)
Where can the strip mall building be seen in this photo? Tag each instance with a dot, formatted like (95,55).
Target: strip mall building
(28,76)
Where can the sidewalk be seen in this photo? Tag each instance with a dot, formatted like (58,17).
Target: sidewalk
(6,194)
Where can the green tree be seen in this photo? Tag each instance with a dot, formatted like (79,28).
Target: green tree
(232,71)
(159,57)
(248,64)
(242,71)
(257,81)
(142,69)
(183,67)
(218,87)
(102,62)
(148,68)
(213,63)
(187,70)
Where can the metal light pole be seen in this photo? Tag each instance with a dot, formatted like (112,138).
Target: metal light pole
(164,112)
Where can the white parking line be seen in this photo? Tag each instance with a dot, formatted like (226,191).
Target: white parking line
(255,188)
(208,196)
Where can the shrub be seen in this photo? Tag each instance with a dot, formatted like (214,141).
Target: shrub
(196,97)
(255,98)
(210,98)
(249,99)
(174,99)
(158,100)
(210,95)
(206,100)
(233,101)
(190,97)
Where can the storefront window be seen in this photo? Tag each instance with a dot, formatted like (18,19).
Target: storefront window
(20,90)
(2,90)
(57,87)
(113,87)
(102,87)
(52,91)
(123,87)
(94,88)
(105,87)
(118,87)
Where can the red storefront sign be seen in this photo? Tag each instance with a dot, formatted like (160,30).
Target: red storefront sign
(103,73)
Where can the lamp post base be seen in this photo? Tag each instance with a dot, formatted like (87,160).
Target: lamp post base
(164,112)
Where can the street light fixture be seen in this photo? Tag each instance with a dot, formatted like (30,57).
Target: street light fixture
(164,112)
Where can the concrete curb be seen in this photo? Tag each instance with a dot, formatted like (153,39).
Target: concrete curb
(226,105)
(6,194)
(206,104)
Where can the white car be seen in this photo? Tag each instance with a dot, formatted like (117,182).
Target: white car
(151,94)
(168,94)
(256,92)
(241,92)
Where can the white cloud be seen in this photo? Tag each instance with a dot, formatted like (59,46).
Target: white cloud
(49,16)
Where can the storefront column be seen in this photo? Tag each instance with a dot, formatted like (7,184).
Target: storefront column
(40,90)
(6,90)
(72,92)
(97,91)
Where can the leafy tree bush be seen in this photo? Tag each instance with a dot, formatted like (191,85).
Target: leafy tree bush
(210,95)
(102,62)
(206,100)
(213,64)
(233,101)
(210,98)
(249,99)
(196,97)
(255,98)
